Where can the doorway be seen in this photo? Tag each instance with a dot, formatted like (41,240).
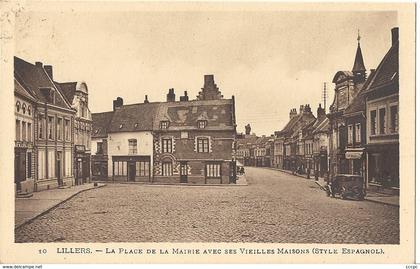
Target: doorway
(58,173)
(184,172)
(131,171)
(20,167)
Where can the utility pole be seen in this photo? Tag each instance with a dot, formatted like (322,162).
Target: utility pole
(324,96)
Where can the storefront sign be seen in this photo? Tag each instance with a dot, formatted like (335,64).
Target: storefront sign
(22,144)
(354,155)
(79,148)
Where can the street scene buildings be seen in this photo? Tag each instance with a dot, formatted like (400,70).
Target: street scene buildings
(142,159)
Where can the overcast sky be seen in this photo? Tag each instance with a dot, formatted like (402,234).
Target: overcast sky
(271,61)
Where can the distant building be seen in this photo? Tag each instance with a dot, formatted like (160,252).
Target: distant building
(245,144)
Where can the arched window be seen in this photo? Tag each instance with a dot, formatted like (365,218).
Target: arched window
(29,110)
(24,108)
(17,106)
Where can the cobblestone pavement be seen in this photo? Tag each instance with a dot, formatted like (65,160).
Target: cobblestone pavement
(274,207)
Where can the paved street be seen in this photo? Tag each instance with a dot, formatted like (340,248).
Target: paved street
(274,207)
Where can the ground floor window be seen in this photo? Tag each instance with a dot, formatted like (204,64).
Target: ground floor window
(213,170)
(67,163)
(120,168)
(41,164)
(167,169)
(51,163)
(142,169)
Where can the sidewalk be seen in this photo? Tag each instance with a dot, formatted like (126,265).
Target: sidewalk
(388,199)
(27,209)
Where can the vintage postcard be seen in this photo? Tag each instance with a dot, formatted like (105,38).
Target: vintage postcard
(207,132)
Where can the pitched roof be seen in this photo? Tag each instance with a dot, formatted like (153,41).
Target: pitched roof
(134,117)
(247,141)
(359,65)
(387,71)
(101,123)
(34,78)
(183,115)
(322,126)
(68,89)
(19,89)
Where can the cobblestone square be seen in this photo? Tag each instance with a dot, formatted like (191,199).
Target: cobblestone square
(274,207)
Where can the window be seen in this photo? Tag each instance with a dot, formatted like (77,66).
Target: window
(393,126)
(202,144)
(166,145)
(67,129)
(382,120)
(373,122)
(17,130)
(132,146)
(29,132)
(23,131)
(213,170)
(184,135)
(99,148)
(29,163)
(164,124)
(142,169)
(120,168)
(167,169)
(59,128)
(24,108)
(350,134)
(358,133)
(202,124)
(17,106)
(50,127)
(29,110)
(41,164)
(41,127)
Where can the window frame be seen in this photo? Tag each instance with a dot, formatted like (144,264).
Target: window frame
(167,145)
(50,133)
(213,170)
(358,133)
(201,124)
(396,127)
(169,169)
(164,124)
(132,146)
(382,108)
(201,146)
(350,132)
(375,125)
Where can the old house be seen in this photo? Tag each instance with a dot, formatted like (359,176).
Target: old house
(76,93)
(194,140)
(382,113)
(53,138)
(99,144)
(347,86)
(24,141)
(320,144)
(244,146)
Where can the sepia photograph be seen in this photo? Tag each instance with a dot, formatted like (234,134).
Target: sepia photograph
(227,124)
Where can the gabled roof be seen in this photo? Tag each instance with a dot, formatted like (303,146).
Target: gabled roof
(322,126)
(34,78)
(20,90)
(184,115)
(387,71)
(246,142)
(134,117)
(101,123)
(68,89)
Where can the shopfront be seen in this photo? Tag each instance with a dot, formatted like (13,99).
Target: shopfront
(81,165)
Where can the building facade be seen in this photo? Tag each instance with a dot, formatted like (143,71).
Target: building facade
(382,112)
(53,136)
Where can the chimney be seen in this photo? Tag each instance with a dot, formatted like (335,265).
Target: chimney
(208,80)
(49,70)
(117,103)
(248,129)
(38,64)
(145,99)
(320,112)
(170,97)
(395,35)
(185,97)
(292,113)
(301,109)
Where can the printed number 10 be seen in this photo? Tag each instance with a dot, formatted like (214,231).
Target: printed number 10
(42,251)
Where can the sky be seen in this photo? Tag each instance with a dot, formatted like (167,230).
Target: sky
(271,61)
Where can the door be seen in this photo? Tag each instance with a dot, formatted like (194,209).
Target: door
(20,167)
(184,172)
(58,168)
(131,171)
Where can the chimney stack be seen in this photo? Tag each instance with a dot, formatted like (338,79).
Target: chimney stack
(301,109)
(185,97)
(145,99)
(170,97)
(49,70)
(38,64)
(320,112)
(248,129)
(395,35)
(117,103)
(292,113)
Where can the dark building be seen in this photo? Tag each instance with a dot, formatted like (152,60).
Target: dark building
(99,147)
(382,125)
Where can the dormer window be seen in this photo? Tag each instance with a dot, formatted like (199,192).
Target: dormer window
(24,108)
(201,124)
(164,124)
(17,106)
(29,110)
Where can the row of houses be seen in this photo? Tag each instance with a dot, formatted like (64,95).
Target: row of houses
(358,136)
(185,141)
(52,129)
